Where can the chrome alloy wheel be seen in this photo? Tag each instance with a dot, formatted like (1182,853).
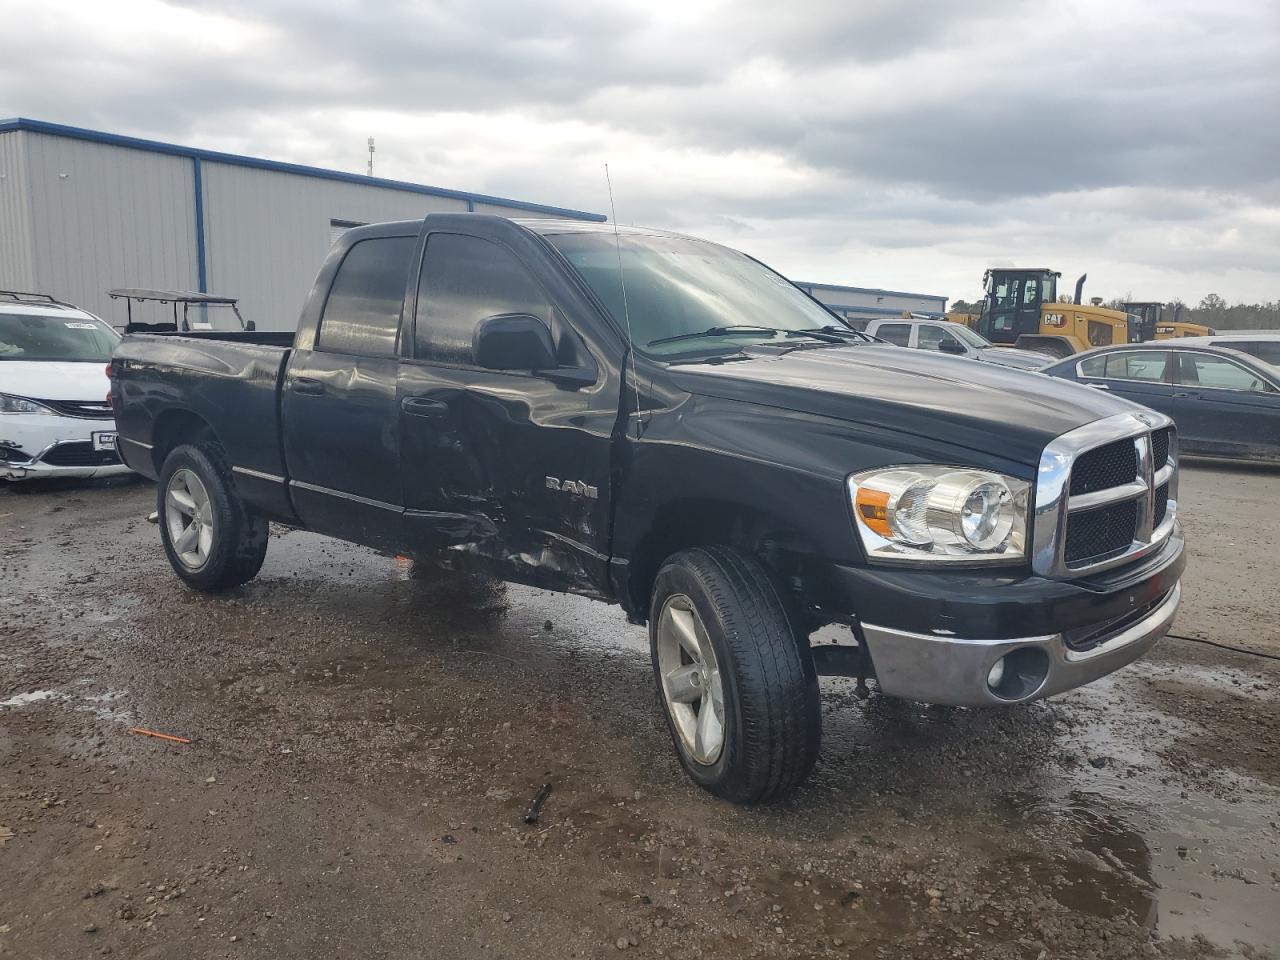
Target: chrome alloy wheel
(189,517)
(690,679)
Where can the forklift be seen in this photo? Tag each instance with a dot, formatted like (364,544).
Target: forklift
(1153,325)
(1021,309)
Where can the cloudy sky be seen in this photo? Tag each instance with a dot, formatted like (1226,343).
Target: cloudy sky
(888,143)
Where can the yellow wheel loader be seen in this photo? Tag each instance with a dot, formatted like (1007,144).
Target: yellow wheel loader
(1154,322)
(1022,309)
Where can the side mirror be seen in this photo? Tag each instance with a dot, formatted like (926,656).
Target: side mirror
(519,341)
(951,346)
(251,325)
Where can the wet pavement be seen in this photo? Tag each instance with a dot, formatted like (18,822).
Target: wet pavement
(366,738)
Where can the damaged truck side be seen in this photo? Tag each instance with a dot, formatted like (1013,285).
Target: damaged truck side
(669,425)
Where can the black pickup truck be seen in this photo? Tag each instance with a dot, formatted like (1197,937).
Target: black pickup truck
(667,424)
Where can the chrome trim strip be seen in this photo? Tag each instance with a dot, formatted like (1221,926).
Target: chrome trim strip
(136,443)
(39,457)
(329,492)
(1100,498)
(1146,502)
(257,474)
(1053,485)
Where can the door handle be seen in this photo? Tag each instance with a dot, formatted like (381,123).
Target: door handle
(308,385)
(424,407)
(1099,386)
(1183,396)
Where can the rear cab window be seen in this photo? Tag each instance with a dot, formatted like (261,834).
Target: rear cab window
(362,312)
(895,333)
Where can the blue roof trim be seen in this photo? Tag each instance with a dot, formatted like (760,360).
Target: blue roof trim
(279,166)
(851,308)
(882,293)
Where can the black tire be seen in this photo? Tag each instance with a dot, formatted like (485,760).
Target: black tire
(239,536)
(772,712)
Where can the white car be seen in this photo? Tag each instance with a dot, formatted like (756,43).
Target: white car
(956,339)
(55,416)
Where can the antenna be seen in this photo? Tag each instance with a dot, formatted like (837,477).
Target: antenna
(370,156)
(626,312)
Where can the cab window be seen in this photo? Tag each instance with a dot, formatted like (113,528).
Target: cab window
(1205,370)
(933,338)
(1146,365)
(362,312)
(465,280)
(896,333)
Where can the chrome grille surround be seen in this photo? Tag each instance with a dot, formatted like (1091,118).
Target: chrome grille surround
(1054,503)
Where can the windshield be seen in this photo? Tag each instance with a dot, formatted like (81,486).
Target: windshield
(968,336)
(677,286)
(55,337)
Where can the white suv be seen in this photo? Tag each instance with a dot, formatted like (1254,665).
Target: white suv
(956,339)
(55,416)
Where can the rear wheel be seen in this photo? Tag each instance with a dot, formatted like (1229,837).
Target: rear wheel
(739,691)
(211,538)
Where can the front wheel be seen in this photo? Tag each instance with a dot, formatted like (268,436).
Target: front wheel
(739,690)
(212,540)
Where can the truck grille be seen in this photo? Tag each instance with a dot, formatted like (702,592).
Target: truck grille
(1162,503)
(1094,535)
(1106,494)
(1160,447)
(1104,467)
(79,453)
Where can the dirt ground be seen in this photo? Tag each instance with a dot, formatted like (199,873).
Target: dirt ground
(365,742)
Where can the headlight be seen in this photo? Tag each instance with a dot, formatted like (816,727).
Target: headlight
(940,514)
(10,404)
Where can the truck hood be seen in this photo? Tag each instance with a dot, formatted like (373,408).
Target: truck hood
(55,380)
(1013,357)
(981,406)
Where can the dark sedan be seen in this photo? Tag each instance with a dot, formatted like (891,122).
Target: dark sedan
(1225,403)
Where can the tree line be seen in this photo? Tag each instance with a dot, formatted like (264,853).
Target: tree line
(1212,311)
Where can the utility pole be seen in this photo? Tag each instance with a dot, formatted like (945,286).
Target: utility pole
(371,156)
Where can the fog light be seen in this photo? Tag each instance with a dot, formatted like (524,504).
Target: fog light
(1019,674)
(996,675)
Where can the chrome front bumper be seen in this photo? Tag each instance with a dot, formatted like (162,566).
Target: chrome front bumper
(953,670)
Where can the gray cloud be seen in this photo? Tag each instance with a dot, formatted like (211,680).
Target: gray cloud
(887,143)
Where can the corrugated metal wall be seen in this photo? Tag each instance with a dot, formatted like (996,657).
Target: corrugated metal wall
(267,232)
(79,217)
(15,214)
(107,216)
(858,301)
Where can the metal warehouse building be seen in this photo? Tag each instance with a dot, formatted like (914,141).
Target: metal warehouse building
(870,304)
(82,212)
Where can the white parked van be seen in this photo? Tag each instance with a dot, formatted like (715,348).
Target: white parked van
(55,415)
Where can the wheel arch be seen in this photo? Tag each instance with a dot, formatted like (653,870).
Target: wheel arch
(175,427)
(685,523)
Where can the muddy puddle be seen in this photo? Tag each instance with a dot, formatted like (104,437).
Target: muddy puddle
(1140,842)
(1137,814)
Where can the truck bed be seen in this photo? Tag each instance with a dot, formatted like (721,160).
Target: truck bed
(230,381)
(271,338)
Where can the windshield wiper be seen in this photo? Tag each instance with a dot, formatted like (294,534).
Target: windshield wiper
(716,332)
(831,330)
